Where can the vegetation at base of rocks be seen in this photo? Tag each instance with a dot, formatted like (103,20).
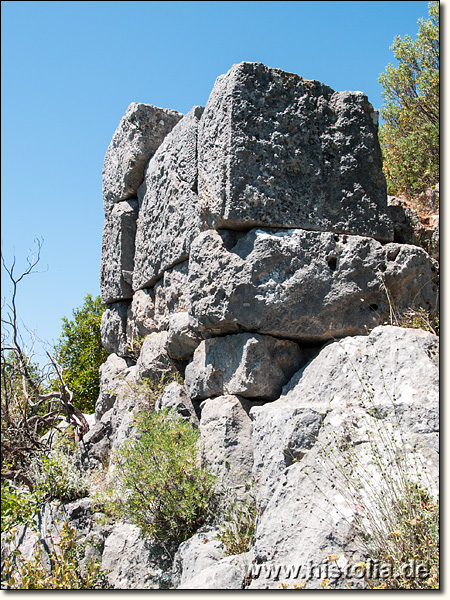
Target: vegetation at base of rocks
(79,352)
(37,406)
(418,319)
(53,476)
(164,490)
(239,523)
(147,391)
(409,137)
(66,571)
(19,507)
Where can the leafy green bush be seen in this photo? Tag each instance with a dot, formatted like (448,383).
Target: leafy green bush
(19,507)
(165,492)
(80,353)
(409,137)
(55,477)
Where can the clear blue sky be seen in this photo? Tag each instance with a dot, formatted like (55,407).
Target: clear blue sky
(70,69)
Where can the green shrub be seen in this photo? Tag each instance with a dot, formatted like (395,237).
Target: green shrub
(66,572)
(409,137)
(55,477)
(165,492)
(19,507)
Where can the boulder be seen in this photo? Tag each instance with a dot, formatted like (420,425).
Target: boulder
(277,150)
(182,339)
(171,294)
(140,319)
(117,260)
(226,442)
(378,401)
(226,574)
(133,562)
(196,554)
(169,215)
(249,365)
(303,285)
(111,382)
(113,328)
(136,139)
(154,362)
(175,396)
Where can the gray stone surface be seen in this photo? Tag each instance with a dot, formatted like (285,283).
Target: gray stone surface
(196,554)
(278,150)
(226,574)
(171,294)
(117,262)
(133,562)
(111,372)
(378,397)
(175,396)
(304,285)
(140,319)
(169,217)
(136,139)
(182,339)
(113,328)
(153,361)
(250,365)
(226,442)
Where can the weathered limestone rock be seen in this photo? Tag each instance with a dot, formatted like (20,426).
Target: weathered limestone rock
(140,318)
(303,285)
(171,294)
(110,383)
(277,150)
(117,260)
(113,328)
(182,340)
(226,441)
(153,361)
(175,396)
(169,215)
(196,554)
(250,365)
(134,562)
(377,398)
(226,574)
(138,136)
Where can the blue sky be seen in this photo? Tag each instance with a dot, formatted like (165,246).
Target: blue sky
(70,69)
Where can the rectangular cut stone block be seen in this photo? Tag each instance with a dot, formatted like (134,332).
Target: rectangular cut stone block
(278,150)
(169,216)
(308,286)
(117,262)
(136,139)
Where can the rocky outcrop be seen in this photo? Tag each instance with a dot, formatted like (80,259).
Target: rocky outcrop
(249,247)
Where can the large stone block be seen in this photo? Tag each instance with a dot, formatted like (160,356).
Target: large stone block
(113,328)
(169,216)
(303,285)
(136,139)
(250,365)
(278,150)
(117,262)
